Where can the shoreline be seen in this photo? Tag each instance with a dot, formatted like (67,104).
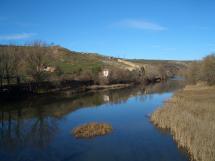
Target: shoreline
(72,90)
(111,86)
(189,117)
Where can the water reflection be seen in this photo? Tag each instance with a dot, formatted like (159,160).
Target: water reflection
(16,132)
(34,123)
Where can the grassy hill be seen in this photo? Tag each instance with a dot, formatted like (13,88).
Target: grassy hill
(71,61)
(78,65)
(173,66)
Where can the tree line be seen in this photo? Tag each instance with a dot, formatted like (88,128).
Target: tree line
(34,66)
(201,71)
(20,64)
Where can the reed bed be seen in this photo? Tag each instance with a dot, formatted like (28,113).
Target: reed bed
(190,117)
(92,130)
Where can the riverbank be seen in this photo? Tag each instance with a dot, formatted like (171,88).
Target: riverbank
(57,114)
(73,87)
(189,116)
(111,86)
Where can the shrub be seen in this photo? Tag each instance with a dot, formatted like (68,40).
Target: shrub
(208,69)
(202,71)
(193,73)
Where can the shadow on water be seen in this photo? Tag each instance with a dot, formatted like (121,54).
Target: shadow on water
(36,124)
(62,103)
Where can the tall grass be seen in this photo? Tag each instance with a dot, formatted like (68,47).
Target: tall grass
(190,116)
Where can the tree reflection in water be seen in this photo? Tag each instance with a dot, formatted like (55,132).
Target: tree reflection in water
(16,132)
(34,122)
(43,130)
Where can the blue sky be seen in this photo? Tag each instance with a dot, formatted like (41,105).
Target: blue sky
(148,29)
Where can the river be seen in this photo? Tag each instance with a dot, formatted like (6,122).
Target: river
(39,129)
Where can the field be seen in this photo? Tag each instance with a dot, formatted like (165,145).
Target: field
(189,115)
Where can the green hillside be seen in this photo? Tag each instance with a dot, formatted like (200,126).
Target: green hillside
(35,63)
(71,61)
(174,66)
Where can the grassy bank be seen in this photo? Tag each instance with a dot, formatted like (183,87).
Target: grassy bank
(190,116)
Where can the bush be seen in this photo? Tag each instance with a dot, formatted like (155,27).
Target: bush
(208,69)
(193,73)
(202,71)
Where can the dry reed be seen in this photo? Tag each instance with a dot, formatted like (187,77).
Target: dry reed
(190,116)
(92,130)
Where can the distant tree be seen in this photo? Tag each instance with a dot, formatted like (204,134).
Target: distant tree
(162,72)
(59,72)
(151,72)
(118,75)
(208,69)
(142,74)
(102,80)
(8,63)
(193,73)
(2,71)
(86,75)
(19,63)
(37,59)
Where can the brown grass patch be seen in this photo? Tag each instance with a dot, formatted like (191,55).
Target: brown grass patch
(92,130)
(191,120)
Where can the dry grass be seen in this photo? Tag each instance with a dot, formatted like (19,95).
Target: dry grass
(92,130)
(190,116)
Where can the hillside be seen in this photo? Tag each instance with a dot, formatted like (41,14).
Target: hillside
(172,66)
(48,63)
(71,61)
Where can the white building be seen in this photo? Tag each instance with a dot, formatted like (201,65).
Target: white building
(49,69)
(105,73)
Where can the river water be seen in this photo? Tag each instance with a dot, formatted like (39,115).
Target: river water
(39,129)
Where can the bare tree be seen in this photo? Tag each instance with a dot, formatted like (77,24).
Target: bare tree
(8,63)
(18,57)
(193,73)
(208,69)
(37,59)
(1,66)
(162,72)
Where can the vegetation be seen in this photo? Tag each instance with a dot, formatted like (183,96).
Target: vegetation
(202,71)
(92,130)
(190,113)
(164,68)
(190,117)
(39,68)
(24,64)
(38,62)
